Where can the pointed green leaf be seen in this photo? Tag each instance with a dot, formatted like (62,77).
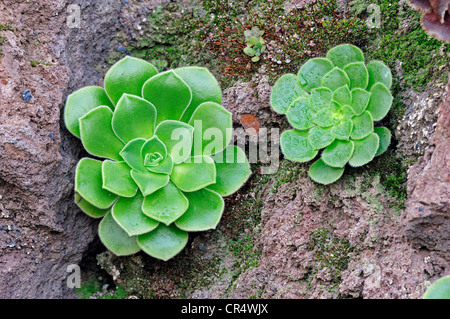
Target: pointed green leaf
(360,100)
(380,101)
(88,208)
(285,91)
(164,242)
(323,173)
(133,118)
(165,205)
(311,73)
(344,54)
(97,135)
(204,212)
(212,124)
(335,79)
(128,76)
(440,289)
(320,137)
(296,147)
(365,150)
(204,87)
(88,183)
(347,113)
(342,130)
(117,179)
(115,238)
(232,170)
(320,98)
(178,138)
(127,212)
(131,153)
(358,75)
(169,94)
(300,115)
(81,102)
(338,153)
(385,139)
(194,174)
(149,182)
(379,72)
(343,95)
(362,126)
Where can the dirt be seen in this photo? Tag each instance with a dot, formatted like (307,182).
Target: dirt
(282,235)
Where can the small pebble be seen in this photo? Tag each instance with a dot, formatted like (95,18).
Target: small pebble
(122,49)
(50,135)
(26,95)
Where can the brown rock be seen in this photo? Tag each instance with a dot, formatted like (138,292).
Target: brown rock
(427,216)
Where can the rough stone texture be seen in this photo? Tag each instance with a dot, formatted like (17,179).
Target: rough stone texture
(427,216)
(41,231)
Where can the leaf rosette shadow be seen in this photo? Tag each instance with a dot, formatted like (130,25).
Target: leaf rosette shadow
(156,175)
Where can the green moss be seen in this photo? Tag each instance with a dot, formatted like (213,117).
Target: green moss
(35,63)
(6,27)
(330,252)
(288,172)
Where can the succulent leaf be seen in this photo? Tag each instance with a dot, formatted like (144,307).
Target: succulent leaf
(342,130)
(360,100)
(131,154)
(296,147)
(211,120)
(136,110)
(81,102)
(338,153)
(127,212)
(128,76)
(117,179)
(149,182)
(365,150)
(311,73)
(89,184)
(344,54)
(385,139)
(379,73)
(88,208)
(323,173)
(232,170)
(320,137)
(362,126)
(358,75)
(300,115)
(285,91)
(440,289)
(170,95)
(196,173)
(204,212)
(343,95)
(177,137)
(95,123)
(380,101)
(320,98)
(203,85)
(166,204)
(115,238)
(335,79)
(164,242)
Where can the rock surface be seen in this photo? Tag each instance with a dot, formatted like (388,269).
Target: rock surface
(41,230)
(427,216)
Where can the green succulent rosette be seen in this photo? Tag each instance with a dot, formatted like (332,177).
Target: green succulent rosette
(333,104)
(162,160)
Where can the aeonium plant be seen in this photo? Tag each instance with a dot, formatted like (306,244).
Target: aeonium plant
(162,161)
(333,104)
